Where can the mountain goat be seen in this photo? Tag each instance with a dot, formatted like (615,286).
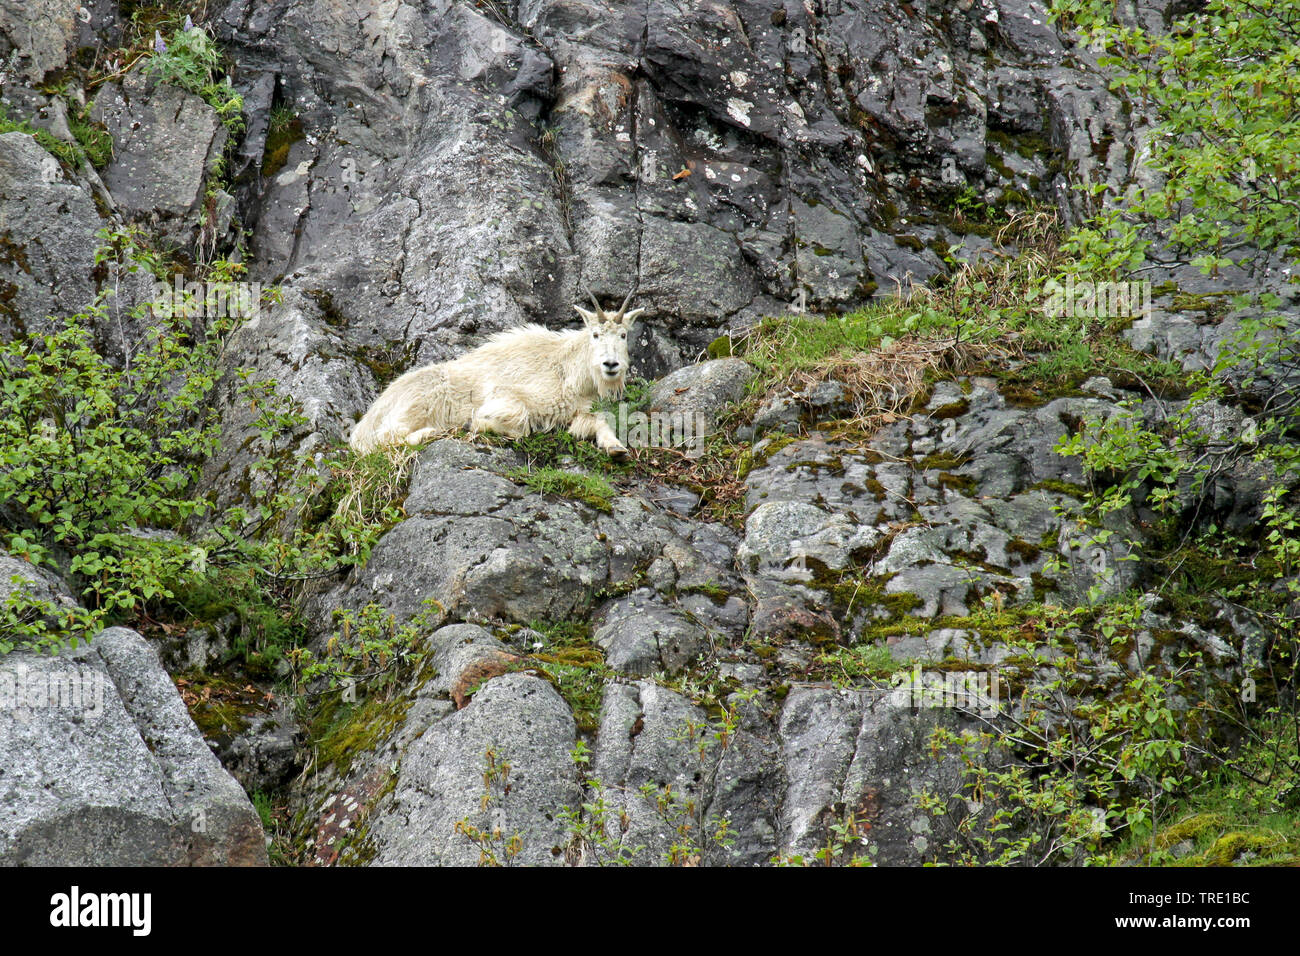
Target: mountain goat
(520,381)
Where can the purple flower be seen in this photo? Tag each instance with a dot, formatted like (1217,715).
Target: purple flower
(189,24)
(158,45)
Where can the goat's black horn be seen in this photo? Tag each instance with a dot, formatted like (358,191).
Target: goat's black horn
(599,311)
(623,308)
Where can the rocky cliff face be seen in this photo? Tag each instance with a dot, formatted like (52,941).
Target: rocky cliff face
(464,167)
(417,175)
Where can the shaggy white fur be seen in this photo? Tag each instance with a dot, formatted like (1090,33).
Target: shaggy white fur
(521,381)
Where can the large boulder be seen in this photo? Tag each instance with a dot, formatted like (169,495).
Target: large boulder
(166,143)
(101,765)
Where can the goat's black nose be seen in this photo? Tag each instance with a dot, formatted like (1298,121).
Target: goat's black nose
(611,366)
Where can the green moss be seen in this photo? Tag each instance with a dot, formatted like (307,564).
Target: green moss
(1042,584)
(564,634)
(579,676)
(951,410)
(344,730)
(1068,488)
(221,708)
(1230,847)
(714,593)
(574,666)
(994,161)
(384,364)
(921,399)
(721,347)
(69,154)
(759,457)
(1020,395)
(962,483)
(853,592)
(943,460)
(1026,552)
(1212,304)
(285,130)
(589,489)
(330,311)
(627,585)
(1190,828)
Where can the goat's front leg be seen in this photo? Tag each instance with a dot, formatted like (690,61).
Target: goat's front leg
(587,425)
(503,414)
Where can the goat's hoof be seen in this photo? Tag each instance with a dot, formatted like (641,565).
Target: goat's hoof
(617,452)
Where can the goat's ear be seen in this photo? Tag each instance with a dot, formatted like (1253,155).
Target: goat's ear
(631,316)
(587,317)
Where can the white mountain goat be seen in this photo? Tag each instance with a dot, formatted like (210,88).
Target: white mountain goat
(520,381)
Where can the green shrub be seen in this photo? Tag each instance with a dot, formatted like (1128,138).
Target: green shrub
(1223,84)
(1057,783)
(96,459)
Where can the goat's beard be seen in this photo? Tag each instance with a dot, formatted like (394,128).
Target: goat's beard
(610,387)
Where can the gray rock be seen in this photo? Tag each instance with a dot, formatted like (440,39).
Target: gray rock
(264,756)
(292,345)
(828,474)
(641,635)
(784,536)
(40,36)
(942,589)
(858,753)
(49,225)
(515,555)
(698,394)
(818,402)
(441,781)
(646,744)
(166,143)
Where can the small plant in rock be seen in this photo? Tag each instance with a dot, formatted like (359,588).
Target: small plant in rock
(694,832)
(846,845)
(597,830)
(192,61)
(692,835)
(494,846)
(368,646)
